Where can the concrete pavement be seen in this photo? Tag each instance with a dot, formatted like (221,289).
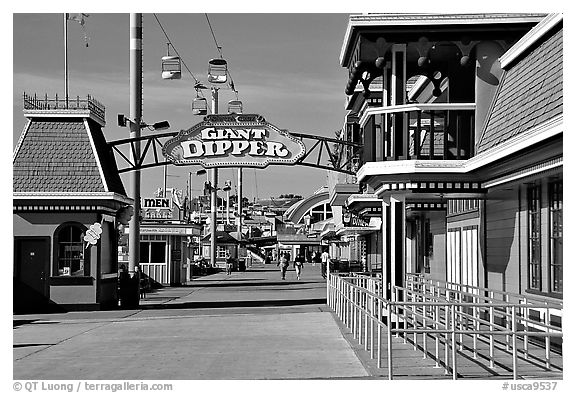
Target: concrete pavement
(248,325)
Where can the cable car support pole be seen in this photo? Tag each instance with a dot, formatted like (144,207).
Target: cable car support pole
(135,117)
(213,192)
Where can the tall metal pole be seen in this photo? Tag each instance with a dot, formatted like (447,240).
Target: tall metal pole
(66,58)
(228,207)
(135,117)
(164,193)
(190,200)
(239,203)
(213,192)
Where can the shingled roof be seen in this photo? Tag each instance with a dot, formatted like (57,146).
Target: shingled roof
(61,155)
(530,93)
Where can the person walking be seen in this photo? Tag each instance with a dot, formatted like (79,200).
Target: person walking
(325,261)
(314,258)
(299,265)
(229,264)
(283,263)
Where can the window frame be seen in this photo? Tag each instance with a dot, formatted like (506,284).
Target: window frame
(57,243)
(555,212)
(534,236)
(149,254)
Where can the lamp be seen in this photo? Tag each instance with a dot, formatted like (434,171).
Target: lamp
(158,126)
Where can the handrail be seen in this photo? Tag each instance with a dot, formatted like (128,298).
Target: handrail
(414,107)
(359,302)
(469,289)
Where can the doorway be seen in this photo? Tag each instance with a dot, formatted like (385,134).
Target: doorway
(31,271)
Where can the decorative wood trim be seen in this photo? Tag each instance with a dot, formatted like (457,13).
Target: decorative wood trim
(73,195)
(532,170)
(96,155)
(20,140)
(383,20)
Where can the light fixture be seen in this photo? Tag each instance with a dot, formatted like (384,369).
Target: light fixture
(158,126)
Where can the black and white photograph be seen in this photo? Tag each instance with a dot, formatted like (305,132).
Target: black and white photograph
(308,196)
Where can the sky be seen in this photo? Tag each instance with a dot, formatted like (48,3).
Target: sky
(284,66)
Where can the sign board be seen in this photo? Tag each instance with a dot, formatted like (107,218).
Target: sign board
(352,220)
(157,209)
(234,140)
(156,202)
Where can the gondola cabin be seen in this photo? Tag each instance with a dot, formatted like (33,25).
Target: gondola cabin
(171,67)
(234,106)
(199,106)
(217,71)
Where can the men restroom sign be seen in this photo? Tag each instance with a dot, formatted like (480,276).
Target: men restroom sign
(235,140)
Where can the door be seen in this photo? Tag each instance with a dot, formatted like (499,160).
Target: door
(31,267)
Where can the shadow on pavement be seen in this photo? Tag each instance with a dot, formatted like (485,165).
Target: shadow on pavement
(227,283)
(21,322)
(236,303)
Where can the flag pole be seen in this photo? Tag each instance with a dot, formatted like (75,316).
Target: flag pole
(66,58)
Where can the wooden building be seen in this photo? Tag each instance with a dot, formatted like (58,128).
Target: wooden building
(461,118)
(65,187)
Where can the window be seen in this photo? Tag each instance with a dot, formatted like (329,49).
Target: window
(556,263)
(152,252)
(462,251)
(221,252)
(453,253)
(534,238)
(460,206)
(70,250)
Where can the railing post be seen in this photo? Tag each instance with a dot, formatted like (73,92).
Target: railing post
(461,321)
(389,338)
(424,325)
(453,323)
(348,304)
(547,339)
(361,316)
(525,327)
(514,349)
(491,351)
(437,335)
(446,338)
(372,316)
(508,322)
(379,339)
(354,313)
(414,320)
(476,325)
(396,311)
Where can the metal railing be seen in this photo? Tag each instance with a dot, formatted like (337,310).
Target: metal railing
(35,102)
(358,301)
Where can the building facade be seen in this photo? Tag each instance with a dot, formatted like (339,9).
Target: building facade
(461,122)
(67,196)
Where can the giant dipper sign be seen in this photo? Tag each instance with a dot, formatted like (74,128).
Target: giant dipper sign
(234,140)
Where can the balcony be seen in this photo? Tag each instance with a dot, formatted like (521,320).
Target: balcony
(428,131)
(419,149)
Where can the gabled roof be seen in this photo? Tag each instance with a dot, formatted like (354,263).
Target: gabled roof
(529,94)
(64,155)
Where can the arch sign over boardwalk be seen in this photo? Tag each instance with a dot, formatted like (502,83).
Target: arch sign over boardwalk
(234,140)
